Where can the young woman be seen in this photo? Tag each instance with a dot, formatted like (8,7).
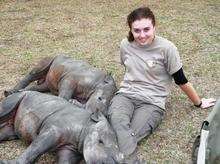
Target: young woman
(150,63)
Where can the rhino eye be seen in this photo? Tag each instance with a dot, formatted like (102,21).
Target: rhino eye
(101,142)
(105,81)
(99,98)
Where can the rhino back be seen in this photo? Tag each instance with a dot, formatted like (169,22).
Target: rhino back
(79,73)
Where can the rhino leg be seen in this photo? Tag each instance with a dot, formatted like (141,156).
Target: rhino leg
(37,73)
(9,106)
(68,156)
(7,133)
(43,87)
(66,89)
(41,144)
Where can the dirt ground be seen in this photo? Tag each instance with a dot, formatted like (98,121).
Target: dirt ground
(91,30)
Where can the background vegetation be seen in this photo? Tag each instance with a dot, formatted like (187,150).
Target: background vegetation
(91,30)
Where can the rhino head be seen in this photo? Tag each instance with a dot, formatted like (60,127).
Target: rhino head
(100,144)
(100,99)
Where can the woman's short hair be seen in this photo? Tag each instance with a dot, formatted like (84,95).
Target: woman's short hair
(137,14)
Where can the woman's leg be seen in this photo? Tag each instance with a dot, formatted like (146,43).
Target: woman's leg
(146,119)
(120,114)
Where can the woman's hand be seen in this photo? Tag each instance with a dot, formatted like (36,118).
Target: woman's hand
(206,103)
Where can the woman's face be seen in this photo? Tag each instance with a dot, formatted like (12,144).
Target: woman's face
(143,31)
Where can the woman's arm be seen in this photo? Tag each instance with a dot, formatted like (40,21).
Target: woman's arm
(189,90)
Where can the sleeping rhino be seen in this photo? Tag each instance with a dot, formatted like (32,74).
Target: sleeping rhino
(71,79)
(50,123)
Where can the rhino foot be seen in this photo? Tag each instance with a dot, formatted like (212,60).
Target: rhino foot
(8,92)
(133,159)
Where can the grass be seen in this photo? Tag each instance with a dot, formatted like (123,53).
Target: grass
(92,31)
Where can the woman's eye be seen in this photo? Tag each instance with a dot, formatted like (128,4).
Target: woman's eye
(137,30)
(146,29)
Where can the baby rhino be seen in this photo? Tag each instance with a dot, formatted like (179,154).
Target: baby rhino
(50,123)
(70,79)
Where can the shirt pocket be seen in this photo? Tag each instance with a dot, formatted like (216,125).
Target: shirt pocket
(154,67)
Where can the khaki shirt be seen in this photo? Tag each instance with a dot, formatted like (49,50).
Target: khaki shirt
(148,70)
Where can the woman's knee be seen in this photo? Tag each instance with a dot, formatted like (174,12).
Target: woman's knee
(150,125)
(120,106)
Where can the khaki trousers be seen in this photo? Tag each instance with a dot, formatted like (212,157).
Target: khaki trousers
(132,120)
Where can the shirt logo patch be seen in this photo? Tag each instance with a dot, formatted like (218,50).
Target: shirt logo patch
(151,63)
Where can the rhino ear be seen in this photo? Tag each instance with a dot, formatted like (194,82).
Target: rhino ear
(96,116)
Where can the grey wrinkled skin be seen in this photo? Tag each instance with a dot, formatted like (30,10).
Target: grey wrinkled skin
(70,79)
(51,123)
(212,148)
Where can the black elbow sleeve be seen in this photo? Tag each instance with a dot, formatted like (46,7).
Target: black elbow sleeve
(179,77)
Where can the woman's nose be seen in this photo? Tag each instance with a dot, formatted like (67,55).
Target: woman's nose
(142,34)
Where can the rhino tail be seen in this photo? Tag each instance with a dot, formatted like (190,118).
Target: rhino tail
(9,104)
